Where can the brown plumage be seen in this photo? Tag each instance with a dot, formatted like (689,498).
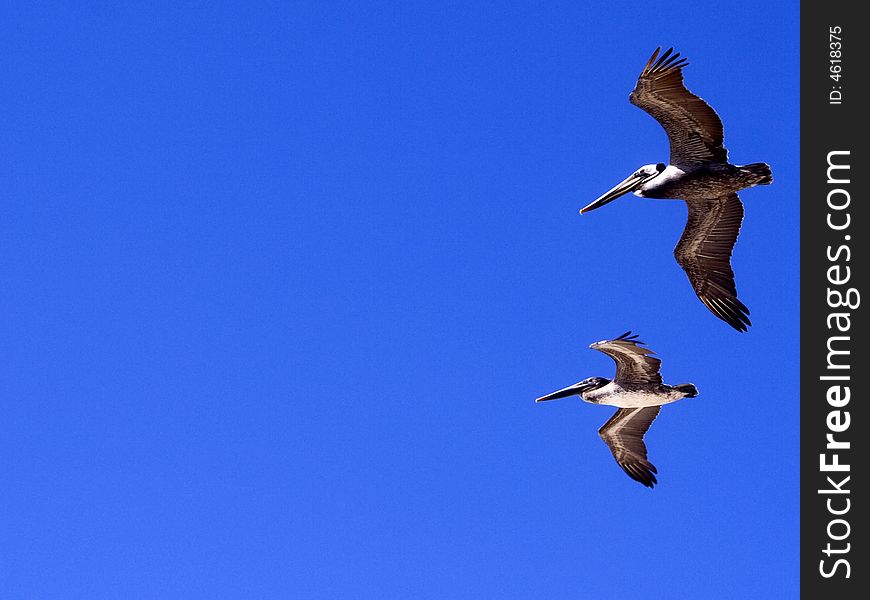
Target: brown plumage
(693,127)
(623,433)
(638,393)
(635,365)
(704,252)
(700,175)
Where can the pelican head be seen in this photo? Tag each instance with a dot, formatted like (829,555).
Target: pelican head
(632,183)
(578,389)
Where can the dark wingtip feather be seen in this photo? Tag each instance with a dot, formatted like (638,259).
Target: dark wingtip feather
(643,474)
(651,60)
(670,61)
(628,337)
(730,310)
(660,66)
(663,61)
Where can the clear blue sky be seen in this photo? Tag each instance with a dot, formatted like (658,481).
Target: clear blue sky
(281,283)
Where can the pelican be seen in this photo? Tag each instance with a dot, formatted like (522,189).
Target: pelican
(699,174)
(638,392)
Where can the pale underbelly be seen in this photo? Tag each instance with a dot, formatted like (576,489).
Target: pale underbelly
(632,399)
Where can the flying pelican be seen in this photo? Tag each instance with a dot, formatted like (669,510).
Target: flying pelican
(638,392)
(699,173)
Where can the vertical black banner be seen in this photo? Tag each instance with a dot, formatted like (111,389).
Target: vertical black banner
(834,264)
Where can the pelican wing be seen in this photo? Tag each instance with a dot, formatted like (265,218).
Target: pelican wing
(704,252)
(634,363)
(694,129)
(623,433)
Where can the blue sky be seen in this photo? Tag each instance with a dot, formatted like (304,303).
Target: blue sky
(281,283)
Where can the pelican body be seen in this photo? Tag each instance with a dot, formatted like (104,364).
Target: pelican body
(637,390)
(703,182)
(611,393)
(699,174)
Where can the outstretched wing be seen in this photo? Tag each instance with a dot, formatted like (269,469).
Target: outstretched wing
(623,434)
(704,252)
(634,363)
(694,129)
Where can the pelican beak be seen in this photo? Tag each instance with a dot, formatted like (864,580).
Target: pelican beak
(630,184)
(573,390)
